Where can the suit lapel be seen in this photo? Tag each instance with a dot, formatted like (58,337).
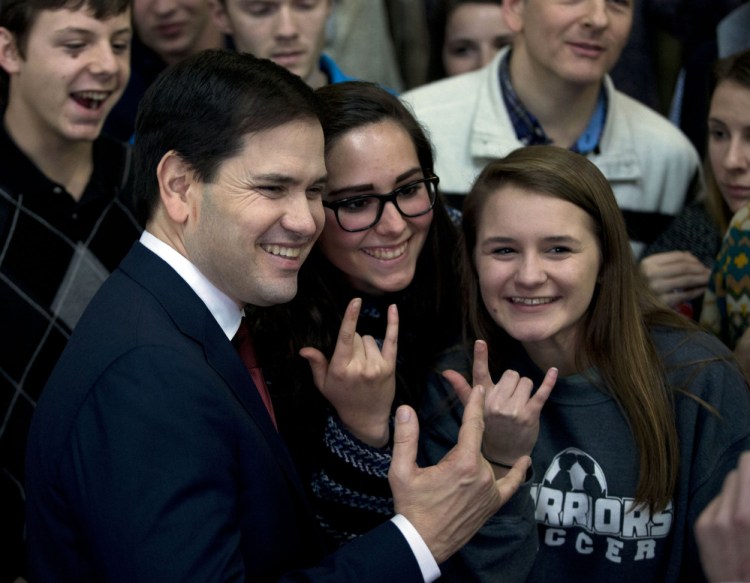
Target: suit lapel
(193,319)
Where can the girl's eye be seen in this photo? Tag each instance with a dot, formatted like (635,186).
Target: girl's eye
(358,204)
(409,190)
(460,50)
(717,133)
(559,250)
(502,251)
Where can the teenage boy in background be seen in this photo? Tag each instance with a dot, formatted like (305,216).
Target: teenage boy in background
(65,220)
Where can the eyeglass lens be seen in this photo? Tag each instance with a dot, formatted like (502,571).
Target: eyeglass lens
(363,212)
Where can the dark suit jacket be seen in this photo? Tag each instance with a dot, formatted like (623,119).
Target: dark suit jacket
(152,458)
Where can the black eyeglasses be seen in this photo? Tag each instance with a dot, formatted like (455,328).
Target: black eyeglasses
(359,213)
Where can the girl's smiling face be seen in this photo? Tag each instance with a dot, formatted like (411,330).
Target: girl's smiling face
(538,261)
(374,159)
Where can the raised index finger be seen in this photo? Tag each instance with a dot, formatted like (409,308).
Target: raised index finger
(472,423)
(480,369)
(348,330)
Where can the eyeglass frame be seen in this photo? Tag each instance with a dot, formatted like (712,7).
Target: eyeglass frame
(430,181)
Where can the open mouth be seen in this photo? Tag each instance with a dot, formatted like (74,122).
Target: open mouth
(90,99)
(281,251)
(387,252)
(531,301)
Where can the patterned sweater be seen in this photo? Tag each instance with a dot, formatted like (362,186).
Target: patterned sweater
(54,253)
(726,303)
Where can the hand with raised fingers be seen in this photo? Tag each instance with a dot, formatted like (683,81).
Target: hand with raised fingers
(723,528)
(449,502)
(360,379)
(511,412)
(675,276)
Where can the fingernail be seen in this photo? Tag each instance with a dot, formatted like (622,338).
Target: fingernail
(403,414)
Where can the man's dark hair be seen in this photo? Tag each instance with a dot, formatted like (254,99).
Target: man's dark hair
(203,107)
(18,16)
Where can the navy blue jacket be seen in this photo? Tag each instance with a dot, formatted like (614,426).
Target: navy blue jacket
(152,458)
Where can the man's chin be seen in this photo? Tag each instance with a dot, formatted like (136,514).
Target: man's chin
(268,298)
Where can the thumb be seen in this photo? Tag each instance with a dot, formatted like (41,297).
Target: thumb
(460,385)
(510,482)
(405,442)
(318,365)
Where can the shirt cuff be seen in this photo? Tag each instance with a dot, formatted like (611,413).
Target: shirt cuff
(427,564)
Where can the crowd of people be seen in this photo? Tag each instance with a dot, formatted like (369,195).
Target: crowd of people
(283,301)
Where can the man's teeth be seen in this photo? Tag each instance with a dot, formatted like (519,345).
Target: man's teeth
(381,253)
(531,301)
(291,252)
(93,95)
(91,99)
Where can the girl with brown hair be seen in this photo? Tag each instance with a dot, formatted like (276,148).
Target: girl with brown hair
(648,414)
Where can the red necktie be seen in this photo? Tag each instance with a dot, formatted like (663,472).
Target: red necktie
(243,343)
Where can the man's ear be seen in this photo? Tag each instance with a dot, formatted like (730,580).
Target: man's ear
(220,17)
(513,14)
(176,187)
(10,58)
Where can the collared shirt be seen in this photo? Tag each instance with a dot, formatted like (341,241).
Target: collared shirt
(332,71)
(225,310)
(229,315)
(527,127)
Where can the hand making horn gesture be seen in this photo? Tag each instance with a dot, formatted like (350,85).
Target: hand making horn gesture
(360,379)
(511,412)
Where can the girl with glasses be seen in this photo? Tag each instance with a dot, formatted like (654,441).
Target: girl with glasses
(389,240)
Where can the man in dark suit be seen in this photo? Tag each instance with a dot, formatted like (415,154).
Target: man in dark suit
(152,456)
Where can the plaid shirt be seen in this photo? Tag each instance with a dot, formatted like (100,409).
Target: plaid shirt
(54,254)
(528,129)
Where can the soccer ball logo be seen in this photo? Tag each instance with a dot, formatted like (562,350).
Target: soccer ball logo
(573,470)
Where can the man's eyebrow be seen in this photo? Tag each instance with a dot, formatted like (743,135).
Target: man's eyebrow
(278,178)
(274,177)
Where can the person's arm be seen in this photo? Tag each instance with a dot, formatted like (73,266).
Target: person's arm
(723,529)
(506,546)
(447,503)
(350,485)
(359,382)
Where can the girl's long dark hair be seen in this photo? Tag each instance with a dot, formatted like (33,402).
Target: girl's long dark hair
(428,308)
